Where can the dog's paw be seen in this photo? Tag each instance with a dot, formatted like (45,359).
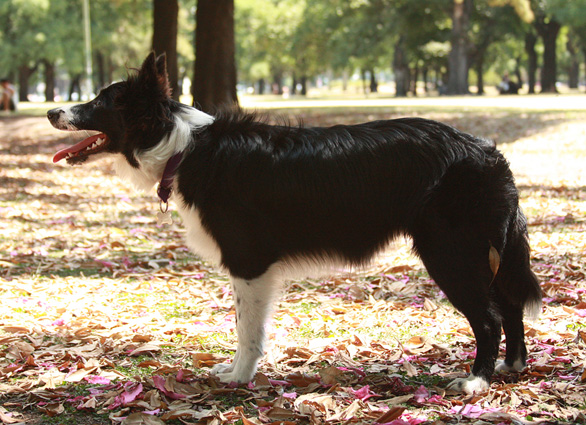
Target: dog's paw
(502,366)
(229,373)
(222,368)
(471,385)
(233,378)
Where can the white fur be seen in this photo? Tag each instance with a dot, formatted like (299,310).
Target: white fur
(518,366)
(301,267)
(152,161)
(471,385)
(254,301)
(533,310)
(197,238)
(65,118)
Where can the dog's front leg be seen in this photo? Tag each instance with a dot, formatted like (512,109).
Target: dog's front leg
(254,300)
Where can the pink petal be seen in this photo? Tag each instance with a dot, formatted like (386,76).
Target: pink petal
(93,379)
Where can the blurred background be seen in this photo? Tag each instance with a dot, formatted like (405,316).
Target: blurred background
(66,50)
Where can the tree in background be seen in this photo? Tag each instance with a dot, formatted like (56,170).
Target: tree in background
(46,35)
(214,82)
(548,28)
(492,24)
(419,45)
(360,37)
(23,40)
(165,26)
(296,41)
(458,59)
(573,14)
(264,41)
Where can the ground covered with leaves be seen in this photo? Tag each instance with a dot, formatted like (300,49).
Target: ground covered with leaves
(106,317)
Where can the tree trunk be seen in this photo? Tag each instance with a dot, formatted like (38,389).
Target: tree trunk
(518,72)
(414,78)
(165,13)
(530,41)
(458,58)
(109,69)
(548,32)
(214,82)
(261,86)
(425,78)
(401,69)
(584,51)
(24,73)
(49,81)
(101,75)
(373,82)
(480,72)
(278,82)
(294,86)
(73,86)
(303,85)
(574,66)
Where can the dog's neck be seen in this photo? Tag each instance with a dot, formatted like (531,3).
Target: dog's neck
(153,162)
(166,183)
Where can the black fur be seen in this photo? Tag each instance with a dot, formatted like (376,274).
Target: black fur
(269,194)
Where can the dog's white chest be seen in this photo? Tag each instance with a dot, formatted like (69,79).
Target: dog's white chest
(197,238)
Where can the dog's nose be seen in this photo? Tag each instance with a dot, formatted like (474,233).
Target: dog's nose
(54,114)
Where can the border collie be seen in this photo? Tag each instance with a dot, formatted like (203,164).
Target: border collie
(261,200)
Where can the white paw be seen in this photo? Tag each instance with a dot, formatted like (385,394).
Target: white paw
(221,368)
(501,366)
(471,385)
(233,377)
(232,373)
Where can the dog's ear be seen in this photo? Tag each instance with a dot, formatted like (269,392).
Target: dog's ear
(161,64)
(153,73)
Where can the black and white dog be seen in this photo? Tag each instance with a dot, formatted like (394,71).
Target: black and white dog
(262,200)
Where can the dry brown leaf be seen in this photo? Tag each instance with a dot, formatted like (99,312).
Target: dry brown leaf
(330,375)
(409,368)
(176,414)
(391,415)
(9,417)
(52,409)
(494,260)
(16,329)
(146,348)
(279,413)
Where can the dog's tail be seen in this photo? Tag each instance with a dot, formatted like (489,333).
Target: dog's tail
(514,279)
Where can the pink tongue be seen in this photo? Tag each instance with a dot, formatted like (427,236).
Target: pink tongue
(78,147)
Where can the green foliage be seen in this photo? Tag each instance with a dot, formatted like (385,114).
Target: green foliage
(280,39)
(33,31)
(265,31)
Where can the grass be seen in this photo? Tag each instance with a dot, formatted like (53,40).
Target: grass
(571,104)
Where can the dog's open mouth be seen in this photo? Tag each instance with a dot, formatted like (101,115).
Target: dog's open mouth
(81,151)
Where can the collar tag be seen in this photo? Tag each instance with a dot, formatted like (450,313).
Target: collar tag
(164,216)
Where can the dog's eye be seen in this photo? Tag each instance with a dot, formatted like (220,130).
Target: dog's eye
(98,103)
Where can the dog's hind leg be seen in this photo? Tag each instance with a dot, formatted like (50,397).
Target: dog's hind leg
(515,360)
(517,289)
(254,300)
(458,263)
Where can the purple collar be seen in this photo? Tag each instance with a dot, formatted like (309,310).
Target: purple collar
(166,183)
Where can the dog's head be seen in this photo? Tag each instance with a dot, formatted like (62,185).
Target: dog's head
(129,116)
